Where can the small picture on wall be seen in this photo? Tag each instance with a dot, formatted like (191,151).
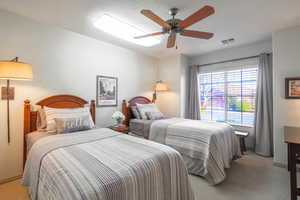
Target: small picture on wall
(292,88)
(107,91)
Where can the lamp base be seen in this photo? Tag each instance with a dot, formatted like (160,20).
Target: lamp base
(154,97)
(8,94)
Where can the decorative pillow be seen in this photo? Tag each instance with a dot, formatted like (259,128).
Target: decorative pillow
(154,115)
(69,125)
(143,108)
(135,112)
(52,113)
(41,122)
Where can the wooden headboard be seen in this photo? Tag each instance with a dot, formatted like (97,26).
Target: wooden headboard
(56,101)
(126,107)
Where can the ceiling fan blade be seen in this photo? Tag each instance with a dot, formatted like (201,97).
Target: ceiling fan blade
(197,16)
(197,34)
(148,35)
(155,18)
(171,40)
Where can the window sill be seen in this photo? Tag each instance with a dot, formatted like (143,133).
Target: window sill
(243,126)
(236,125)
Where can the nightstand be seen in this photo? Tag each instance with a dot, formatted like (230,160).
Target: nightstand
(122,129)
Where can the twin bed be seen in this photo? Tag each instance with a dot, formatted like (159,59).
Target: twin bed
(98,163)
(207,147)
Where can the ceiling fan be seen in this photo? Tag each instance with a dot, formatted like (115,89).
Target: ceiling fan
(174,25)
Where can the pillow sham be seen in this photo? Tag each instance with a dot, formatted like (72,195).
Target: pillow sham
(143,108)
(154,115)
(69,125)
(52,113)
(41,122)
(135,112)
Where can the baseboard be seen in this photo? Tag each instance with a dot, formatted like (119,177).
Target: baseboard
(281,165)
(10,179)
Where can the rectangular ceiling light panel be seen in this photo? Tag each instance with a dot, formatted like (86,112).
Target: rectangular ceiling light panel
(124,30)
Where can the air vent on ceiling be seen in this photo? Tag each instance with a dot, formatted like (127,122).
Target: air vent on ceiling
(228,41)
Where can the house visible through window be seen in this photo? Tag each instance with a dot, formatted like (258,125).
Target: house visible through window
(229,96)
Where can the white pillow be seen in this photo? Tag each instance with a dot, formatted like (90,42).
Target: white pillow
(143,108)
(52,113)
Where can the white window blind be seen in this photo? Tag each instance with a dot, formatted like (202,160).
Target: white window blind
(229,95)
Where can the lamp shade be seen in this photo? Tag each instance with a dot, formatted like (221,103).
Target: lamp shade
(12,70)
(161,86)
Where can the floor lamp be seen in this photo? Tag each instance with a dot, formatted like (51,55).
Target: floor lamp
(12,70)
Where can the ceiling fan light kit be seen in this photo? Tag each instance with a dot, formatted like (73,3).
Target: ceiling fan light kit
(176,26)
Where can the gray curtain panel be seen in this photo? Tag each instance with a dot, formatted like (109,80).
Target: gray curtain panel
(193,111)
(263,128)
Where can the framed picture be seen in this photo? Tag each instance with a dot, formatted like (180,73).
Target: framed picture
(107,91)
(292,88)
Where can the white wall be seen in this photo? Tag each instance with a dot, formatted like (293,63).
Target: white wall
(172,70)
(63,62)
(184,70)
(169,72)
(233,53)
(286,59)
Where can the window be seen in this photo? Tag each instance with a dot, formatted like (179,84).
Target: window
(229,96)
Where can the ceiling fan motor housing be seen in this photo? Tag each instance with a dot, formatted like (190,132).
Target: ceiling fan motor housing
(174,26)
(173,22)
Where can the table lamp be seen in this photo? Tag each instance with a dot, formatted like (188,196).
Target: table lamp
(12,70)
(160,86)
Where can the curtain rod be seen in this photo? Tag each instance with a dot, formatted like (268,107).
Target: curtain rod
(232,60)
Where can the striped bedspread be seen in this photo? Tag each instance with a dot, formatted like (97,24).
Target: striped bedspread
(103,164)
(207,147)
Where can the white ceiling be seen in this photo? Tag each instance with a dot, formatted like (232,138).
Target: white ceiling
(245,20)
